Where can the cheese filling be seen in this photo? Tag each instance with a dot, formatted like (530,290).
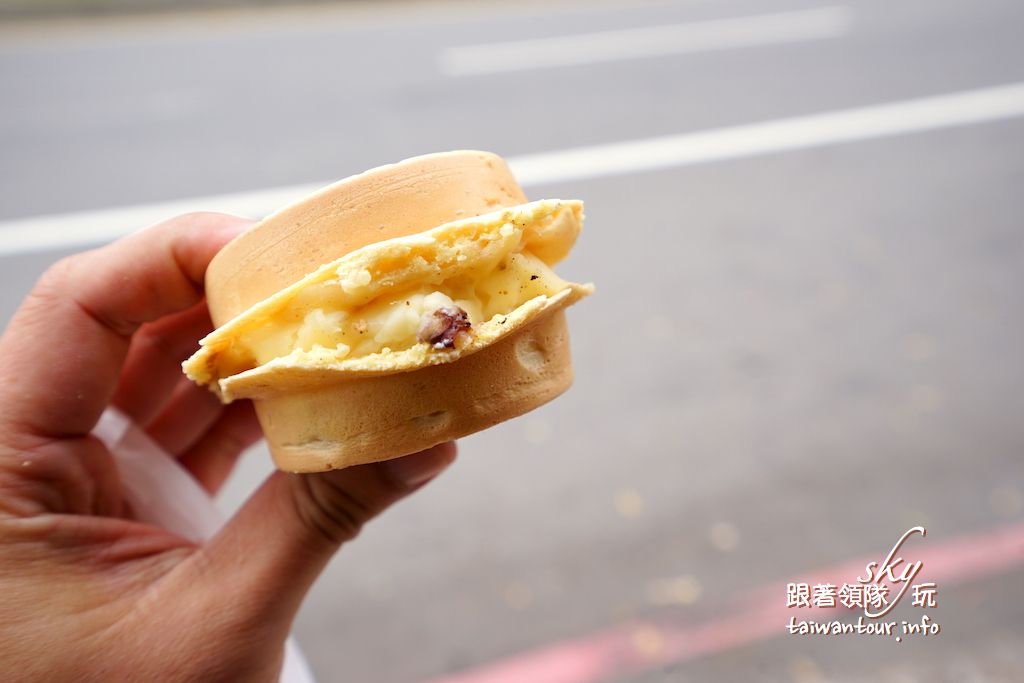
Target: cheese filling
(312,328)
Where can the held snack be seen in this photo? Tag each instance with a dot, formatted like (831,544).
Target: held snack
(394,310)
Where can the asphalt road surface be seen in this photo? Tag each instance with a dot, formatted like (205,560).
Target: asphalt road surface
(792,358)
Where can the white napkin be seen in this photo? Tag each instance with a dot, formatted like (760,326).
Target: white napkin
(162,493)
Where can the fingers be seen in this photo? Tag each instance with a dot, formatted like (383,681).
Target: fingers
(61,355)
(213,457)
(266,558)
(152,369)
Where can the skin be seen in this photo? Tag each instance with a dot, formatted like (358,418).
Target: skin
(86,592)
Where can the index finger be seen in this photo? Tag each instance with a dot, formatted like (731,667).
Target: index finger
(61,354)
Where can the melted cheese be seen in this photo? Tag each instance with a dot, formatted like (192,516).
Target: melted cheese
(367,305)
(390,323)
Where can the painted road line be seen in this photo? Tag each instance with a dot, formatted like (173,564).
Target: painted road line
(571,165)
(654,41)
(782,135)
(88,228)
(638,647)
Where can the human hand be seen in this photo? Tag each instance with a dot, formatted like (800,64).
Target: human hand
(87,593)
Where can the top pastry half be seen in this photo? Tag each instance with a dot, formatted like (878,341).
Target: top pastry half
(399,304)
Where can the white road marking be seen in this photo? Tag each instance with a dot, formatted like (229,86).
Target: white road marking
(653,41)
(850,125)
(87,228)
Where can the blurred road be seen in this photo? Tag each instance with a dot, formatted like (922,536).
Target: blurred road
(791,358)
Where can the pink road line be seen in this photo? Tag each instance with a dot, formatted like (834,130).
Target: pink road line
(635,647)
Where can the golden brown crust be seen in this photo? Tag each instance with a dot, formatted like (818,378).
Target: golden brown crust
(390,201)
(368,419)
(371,419)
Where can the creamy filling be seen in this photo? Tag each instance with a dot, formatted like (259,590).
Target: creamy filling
(391,321)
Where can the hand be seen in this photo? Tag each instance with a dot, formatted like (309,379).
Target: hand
(86,592)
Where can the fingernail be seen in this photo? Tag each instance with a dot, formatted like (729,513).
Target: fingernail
(412,470)
(237,228)
(230,227)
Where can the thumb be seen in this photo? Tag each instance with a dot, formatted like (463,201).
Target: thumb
(258,568)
